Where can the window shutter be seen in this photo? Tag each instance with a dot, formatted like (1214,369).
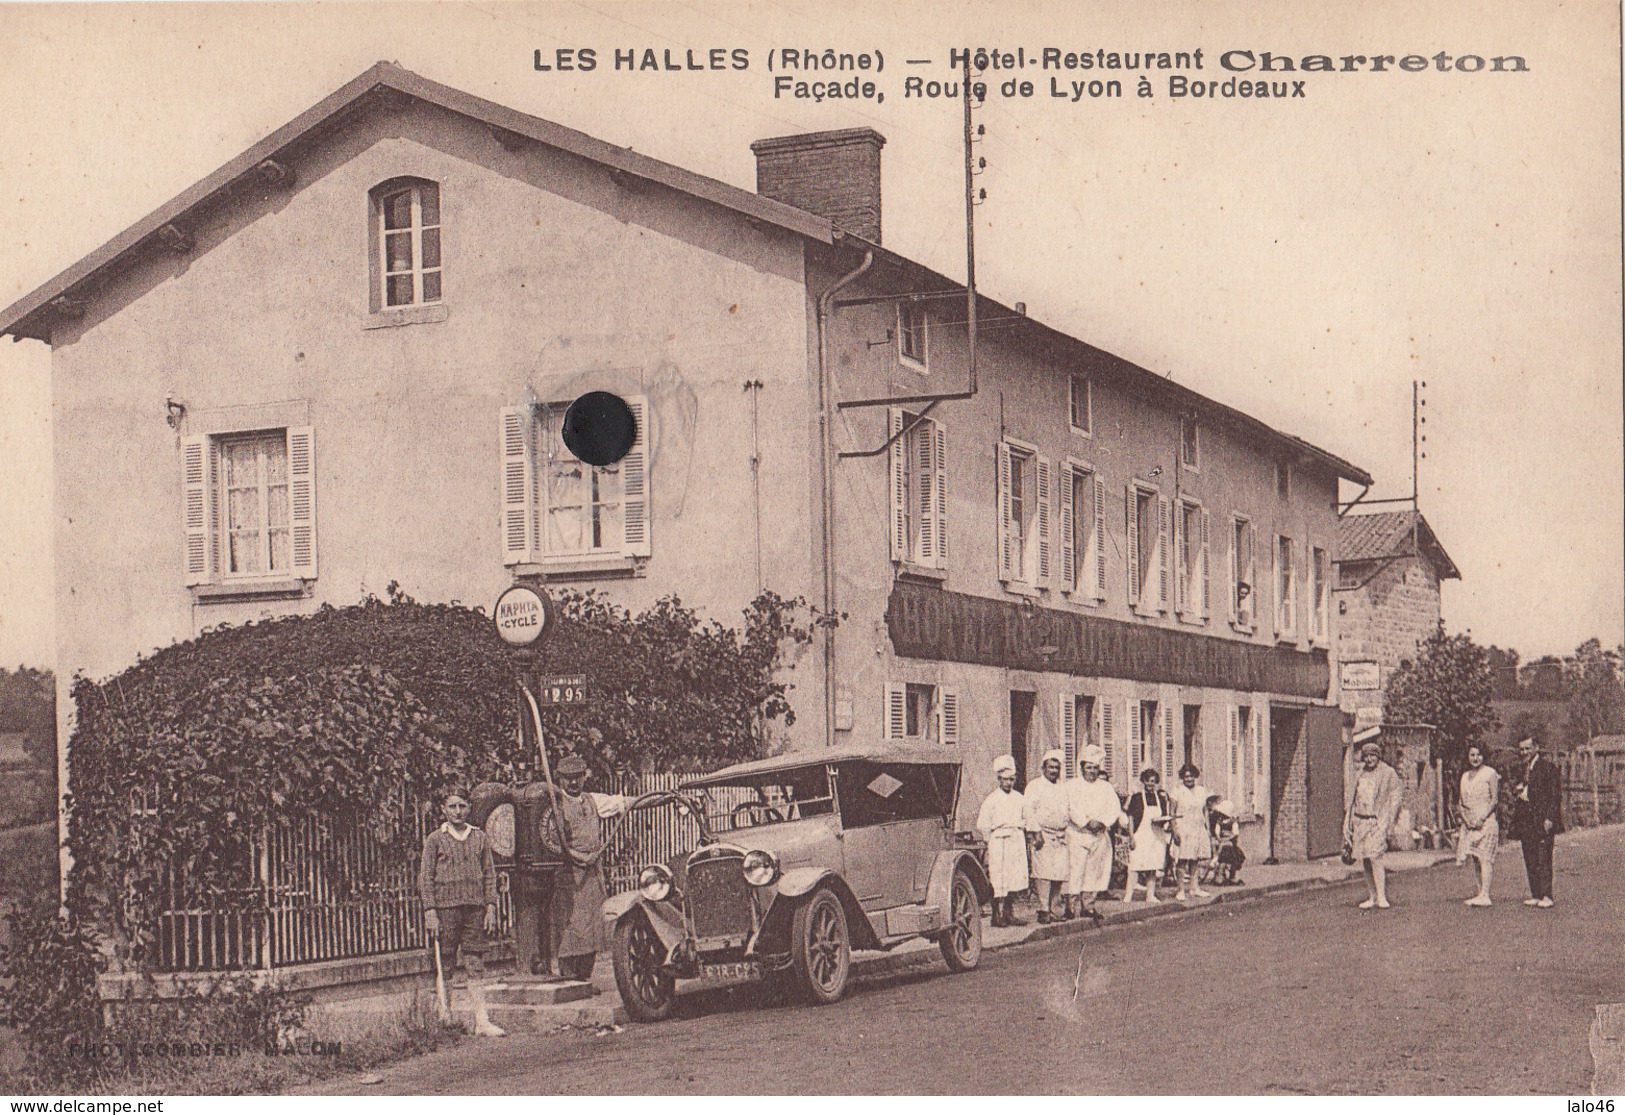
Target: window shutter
(926,471)
(947,716)
(1256,741)
(1250,611)
(1069,734)
(1165,572)
(1275,579)
(1044,471)
(196,502)
(1097,540)
(1007,565)
(896,711)
(897,483)
(518,486)
(1205,589)
(635,481)
(1069,554)
(1233,610)
(1169,765)
(1131,517)
(939,436)
(302,499)
(1300,588)
(1135,747)
(1181,573)
(1235,759)
(1108,732)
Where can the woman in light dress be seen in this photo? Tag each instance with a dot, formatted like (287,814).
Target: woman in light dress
(1150,814)
(1192,845)
(1480,832)
(1370,817)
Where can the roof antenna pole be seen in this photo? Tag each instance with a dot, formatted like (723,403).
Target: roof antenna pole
(970,228)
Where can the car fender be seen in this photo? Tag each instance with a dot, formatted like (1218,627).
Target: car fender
(795,886)
(939,890)
(667,927)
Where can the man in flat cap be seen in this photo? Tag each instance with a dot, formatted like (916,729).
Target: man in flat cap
(1046,830)
(457,880)
(1002,824)
(1093,809)
(576,912)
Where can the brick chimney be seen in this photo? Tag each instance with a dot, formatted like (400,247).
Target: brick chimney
(833,174)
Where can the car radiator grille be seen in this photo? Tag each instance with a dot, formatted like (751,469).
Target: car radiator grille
(719,898)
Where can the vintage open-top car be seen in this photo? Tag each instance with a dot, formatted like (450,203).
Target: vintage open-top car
(800,859)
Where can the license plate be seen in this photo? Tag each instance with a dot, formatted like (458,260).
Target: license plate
(743,970)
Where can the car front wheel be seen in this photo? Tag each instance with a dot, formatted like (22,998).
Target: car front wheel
(648,992)
(961,943)
(821,948)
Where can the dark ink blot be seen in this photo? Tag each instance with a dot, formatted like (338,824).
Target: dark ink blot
(599,428)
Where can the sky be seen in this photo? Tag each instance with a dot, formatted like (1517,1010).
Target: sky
(1303,259)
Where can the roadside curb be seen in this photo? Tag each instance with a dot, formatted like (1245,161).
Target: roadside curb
(888,963)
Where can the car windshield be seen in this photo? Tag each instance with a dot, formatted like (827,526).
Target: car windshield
(770,799)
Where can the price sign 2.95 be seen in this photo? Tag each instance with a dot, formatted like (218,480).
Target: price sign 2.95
(569,690)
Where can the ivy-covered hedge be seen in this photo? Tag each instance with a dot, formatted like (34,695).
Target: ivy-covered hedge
(181,760)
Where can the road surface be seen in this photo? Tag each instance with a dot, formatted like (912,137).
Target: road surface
(1285,995)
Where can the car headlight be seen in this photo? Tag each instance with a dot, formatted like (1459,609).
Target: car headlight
(760,868)
(654,882)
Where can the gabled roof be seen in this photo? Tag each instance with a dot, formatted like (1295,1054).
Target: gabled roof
(19,318)
(1384,535)
(30,316)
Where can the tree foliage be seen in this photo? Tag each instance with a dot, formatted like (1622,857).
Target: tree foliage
(181,761)
(28,705)
(1449,685)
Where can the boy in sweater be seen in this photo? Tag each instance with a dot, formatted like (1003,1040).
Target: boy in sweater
(458,882)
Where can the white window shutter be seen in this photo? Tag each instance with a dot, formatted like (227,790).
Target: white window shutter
(1007,562)
(1169,763)
(1164,570)
(1131,516)
(1260,767)
(947,716)
(1206,591)
(196,502)
(896,711)
(1275,579)
(939,437)
(302,499)
(1108,732)
(1097,540)
(1069,555)
(635,482)
(1135,746)
(1300,588)
(1233,610)
(1181,574)
(1069,734)
(1045,472)
(897,485)
(926,470)
(1250,612)
(518,486)
(1233,781)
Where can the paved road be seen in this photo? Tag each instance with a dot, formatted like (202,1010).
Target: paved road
(1294,994)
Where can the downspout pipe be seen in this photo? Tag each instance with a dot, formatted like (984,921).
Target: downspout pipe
(826,468)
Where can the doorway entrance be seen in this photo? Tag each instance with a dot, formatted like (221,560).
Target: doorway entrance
(1286,820)
(1022,703)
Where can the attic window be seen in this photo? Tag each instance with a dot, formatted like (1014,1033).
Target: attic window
(406,244)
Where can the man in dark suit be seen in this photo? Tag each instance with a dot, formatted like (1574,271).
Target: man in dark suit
(1537,818)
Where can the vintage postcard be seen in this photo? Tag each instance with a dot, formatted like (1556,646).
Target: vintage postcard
(765,548)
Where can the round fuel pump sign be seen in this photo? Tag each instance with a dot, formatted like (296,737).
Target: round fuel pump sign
(523,616)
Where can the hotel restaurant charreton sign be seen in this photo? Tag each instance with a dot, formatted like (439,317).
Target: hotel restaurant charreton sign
(927,622)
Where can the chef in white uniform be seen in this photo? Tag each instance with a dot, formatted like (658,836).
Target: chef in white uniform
(1002,823)
(1046,830)
(1092,810)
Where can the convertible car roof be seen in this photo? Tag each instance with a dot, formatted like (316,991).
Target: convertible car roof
(792,760)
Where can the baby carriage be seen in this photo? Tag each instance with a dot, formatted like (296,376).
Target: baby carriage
(1223,869)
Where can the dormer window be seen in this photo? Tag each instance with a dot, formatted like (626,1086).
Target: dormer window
(406,242)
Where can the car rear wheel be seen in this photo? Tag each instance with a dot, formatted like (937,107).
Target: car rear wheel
(648,992)
(821,948)
(961,943)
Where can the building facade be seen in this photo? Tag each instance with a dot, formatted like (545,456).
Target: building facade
(341,361)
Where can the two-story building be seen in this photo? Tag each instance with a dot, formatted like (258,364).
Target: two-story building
(341,361)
